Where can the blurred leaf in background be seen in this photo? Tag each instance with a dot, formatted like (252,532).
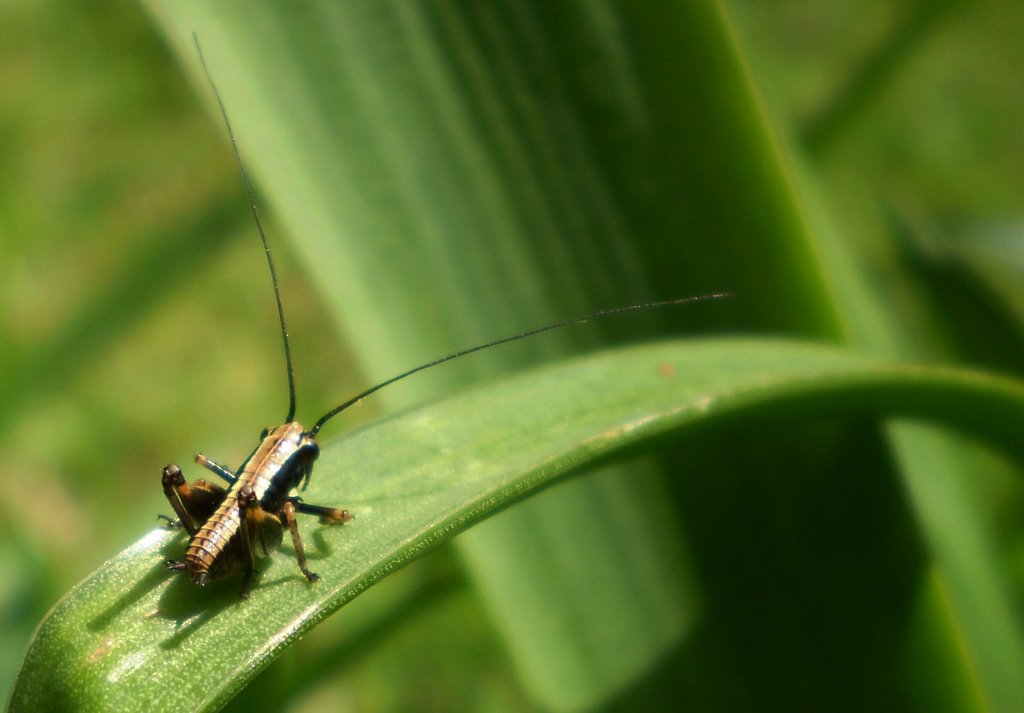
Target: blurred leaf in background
(446,173)
(126,254)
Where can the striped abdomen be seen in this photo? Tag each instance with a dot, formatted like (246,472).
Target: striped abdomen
(214,550)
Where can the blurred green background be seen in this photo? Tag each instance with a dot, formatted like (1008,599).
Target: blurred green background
(139,328)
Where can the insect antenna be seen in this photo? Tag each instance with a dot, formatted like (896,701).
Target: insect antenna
(505,340)
(259,228)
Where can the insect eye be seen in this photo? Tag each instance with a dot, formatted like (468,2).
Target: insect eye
(314,450)
(265,432)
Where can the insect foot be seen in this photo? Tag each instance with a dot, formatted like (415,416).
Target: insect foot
(336,517)
(169,522)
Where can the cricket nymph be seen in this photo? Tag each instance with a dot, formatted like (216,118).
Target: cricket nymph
(231,529)
(283,459)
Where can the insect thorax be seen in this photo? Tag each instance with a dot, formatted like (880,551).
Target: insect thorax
(281,462)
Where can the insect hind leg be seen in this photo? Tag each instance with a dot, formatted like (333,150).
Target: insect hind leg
(193,504)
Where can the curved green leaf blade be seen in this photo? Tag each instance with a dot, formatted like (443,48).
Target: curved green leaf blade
(132,635)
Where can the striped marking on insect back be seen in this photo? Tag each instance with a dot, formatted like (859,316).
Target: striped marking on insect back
(271,470)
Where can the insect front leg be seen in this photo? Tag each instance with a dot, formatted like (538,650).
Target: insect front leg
(328,516)
(193,504)
(288,514)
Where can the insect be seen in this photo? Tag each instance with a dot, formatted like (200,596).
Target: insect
(231,528)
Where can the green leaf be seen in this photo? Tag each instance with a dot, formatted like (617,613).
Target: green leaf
(135,636)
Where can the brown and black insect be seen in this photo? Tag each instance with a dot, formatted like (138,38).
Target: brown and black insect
(230,529)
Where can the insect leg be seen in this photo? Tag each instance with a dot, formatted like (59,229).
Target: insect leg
(259,530)
(288,513)
(246,504)
(193,504)
(328,516)
(217,468)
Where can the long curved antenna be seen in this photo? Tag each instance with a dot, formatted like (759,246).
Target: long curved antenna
(505,340)
(263,235)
